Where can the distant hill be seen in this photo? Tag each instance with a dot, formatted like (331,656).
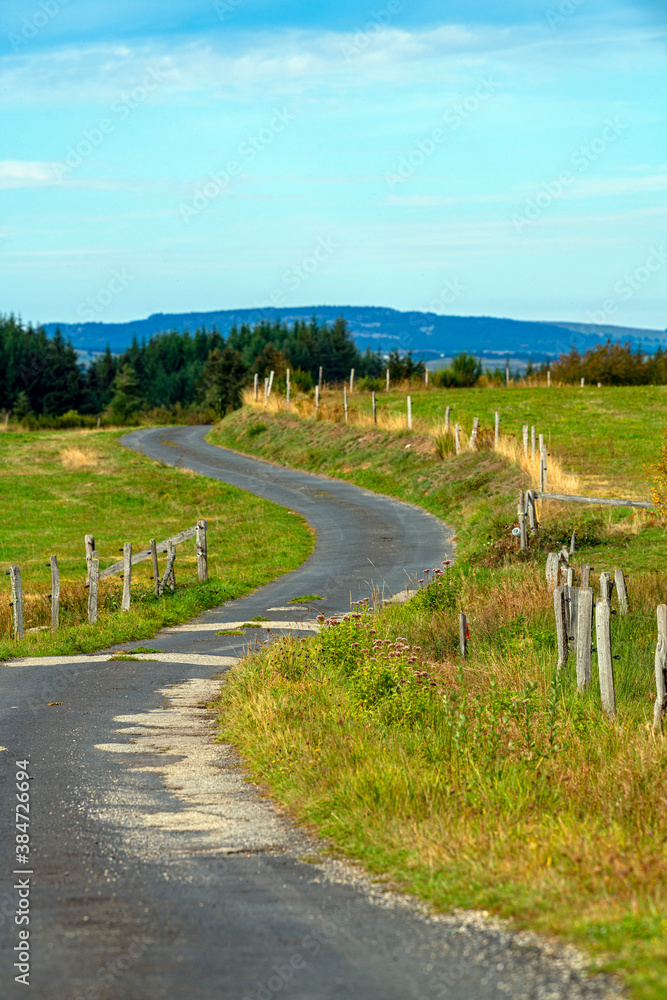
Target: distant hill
(428,335)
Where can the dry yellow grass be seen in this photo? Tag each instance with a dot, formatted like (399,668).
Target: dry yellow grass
(78,457)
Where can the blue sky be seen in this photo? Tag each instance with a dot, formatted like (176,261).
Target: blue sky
(502,159)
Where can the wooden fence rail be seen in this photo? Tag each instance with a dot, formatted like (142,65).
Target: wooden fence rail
(606,501)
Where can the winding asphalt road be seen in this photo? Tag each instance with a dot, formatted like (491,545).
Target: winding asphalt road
(157,871)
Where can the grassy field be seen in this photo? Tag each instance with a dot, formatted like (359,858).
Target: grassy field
(57,486)
(492,782)
(606,436)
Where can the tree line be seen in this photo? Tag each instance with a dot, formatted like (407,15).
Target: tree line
(41,377)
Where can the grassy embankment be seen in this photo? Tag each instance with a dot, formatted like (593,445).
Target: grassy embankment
(491,783)
(58,486)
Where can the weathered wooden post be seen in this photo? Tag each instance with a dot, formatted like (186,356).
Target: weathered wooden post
(605,662)
(409,413)
(521,512)
(374,405)
(287,392)
(448,411)
(271,377)
(530,505)
(496,430)
(561,627)
(202,550)
(17,600)
(169,575)
(457,441)
(156,569)
(551,569)
(266,389)
(345,402)
(532,443)
(255,386)
(127,577)
(387,380)
(426,377)
(584,631)
(89,545)
(507,376)
(585,573)
(93,585)
(463,635)
(605,586)
(473,434)
(351,381)
(55,593)
(548,378)
(543,471)
(317,400)
(582,383)
(319,379)
(525,441)
(621,590)
(573,543)
(660,706)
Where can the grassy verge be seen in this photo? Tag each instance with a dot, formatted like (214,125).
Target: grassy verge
(58,486)
(491,783)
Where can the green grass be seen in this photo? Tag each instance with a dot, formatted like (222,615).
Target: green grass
(491,783)
(58,486)
(306,597)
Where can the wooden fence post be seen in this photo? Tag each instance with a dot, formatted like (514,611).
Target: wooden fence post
(287,392)
(345,402)
(532,443)
(507,376)
(156,568)
(561,627)
(582,382)
(319,379)
(93,586)
(426,377)
(202,550)
(573,543)
(409,413)
(351,380)
(271,377)
(606,586)
(584,630)
(169,575)
(521,511)
(374,405)
(621,590)
(496,430)
(548,379)
(585,572)
(525,441)
(473,433)
(448,411)
(89,545)
(543,470)
(530,506)
(551,569)
(317,400)
(55,593)
(266,389)
(127,577)
(255,386)
(457,442)
(660,706)
(463,635)
(605,662)
(17,600)
(387,380)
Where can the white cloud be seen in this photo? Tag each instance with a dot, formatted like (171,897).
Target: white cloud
(25,173)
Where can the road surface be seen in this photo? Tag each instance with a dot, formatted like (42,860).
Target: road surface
(157,872)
